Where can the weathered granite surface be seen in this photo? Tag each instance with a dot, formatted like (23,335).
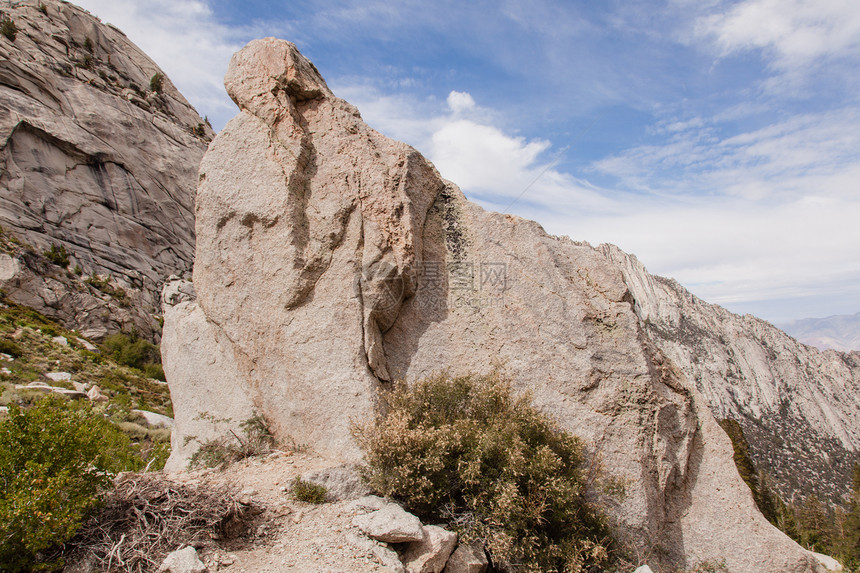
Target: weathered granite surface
(331,260)
(799,406)
(94,161)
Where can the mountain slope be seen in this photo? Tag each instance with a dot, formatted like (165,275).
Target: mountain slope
(799,407)
(98,158)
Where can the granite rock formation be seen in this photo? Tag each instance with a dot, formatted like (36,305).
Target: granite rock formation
(331,260)
(799,407)
(98,157)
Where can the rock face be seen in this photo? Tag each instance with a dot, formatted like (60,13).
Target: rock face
(331,260)
(95,161)
(799,407)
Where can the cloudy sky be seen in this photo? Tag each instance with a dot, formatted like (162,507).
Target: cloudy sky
(719,141)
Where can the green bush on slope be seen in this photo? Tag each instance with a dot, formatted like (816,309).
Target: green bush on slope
(55,459)
(467,451)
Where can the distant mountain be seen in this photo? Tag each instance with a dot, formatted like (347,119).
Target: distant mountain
(838,332)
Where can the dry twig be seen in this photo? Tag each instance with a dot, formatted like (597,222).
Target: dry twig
(147,516)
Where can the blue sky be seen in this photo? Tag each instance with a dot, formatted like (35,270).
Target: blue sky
(719,141)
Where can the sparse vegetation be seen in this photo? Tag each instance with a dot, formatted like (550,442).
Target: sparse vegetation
(308,491)
(833,531)
(43,9)
(466,451)
(256,440)
(8,29)
(55,459)
(57,255)
(29,334)
(156,83)
(104,285)
(88,45)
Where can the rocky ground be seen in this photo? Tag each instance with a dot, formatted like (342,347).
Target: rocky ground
(292,535)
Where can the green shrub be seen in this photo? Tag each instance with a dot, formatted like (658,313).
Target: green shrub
(156,82)
(55,459)
(8,29)
(58,256)
(49,330)
(131,350)
(10,348)
(308,491)
(154,371)
(467,451)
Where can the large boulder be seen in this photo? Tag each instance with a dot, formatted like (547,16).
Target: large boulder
(332,260)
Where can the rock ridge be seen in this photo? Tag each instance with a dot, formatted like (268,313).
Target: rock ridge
(799,406)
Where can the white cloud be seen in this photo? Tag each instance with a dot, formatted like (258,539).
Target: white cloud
(806,154)
(186,41)
(459,102)
(796,36)
(498,169)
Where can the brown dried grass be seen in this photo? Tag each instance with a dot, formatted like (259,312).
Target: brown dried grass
(146,516)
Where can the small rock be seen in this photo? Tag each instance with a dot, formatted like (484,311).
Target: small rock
(40,385)
(70,394)
(391,524)
(341,483)
(4,409)
(246,496)
(367,503)
(643,569)
(87,344)
(828,562)
(80,386)
(155,420)
(61,340)
(95,395)
(59,376)
(467,559)
(5,370)
(182,561)
(382,554)
(431,553)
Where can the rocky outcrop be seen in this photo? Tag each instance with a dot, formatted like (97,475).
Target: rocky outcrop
(799,407)
(331,260)
(99,158)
